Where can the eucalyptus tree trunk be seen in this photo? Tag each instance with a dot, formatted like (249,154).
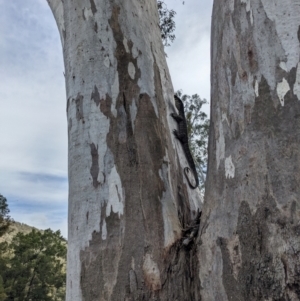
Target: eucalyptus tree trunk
(128,198)
(250,228)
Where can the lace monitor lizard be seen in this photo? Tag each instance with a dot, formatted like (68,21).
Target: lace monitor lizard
(182,135)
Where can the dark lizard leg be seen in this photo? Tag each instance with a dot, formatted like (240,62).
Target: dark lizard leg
(180,137)
(177,117)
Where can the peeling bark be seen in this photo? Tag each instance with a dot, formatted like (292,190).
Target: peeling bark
(128,198)
(249,247)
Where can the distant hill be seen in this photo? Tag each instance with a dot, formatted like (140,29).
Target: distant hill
(14,229)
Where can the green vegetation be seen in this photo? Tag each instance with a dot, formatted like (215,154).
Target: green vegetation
(4,217)
(4,224)
(32,266)
(166,23)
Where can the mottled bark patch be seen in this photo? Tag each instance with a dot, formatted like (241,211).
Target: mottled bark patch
(291,78)
(96,27)
(254,225)
(253,234)
(93,7)
(96,96)
(151,273)
(98,268)
(263,273)
(230,283)
(105,107)
(138,161)
(79,107)
(247,57)
(268,271)
(266,111)
(280,126)
(269,210)
(94,170)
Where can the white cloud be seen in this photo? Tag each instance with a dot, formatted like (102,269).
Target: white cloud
(33,144)
(189,56)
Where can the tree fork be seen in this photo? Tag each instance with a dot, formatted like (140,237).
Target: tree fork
(250,243)
(128,198)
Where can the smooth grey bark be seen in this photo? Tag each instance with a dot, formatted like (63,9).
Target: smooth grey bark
(128,198)
(249,247)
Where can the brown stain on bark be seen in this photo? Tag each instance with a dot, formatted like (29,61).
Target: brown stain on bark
(96,96)
(97,267)
(96,27)
(291,78)
(105,107)
(94,170)
(79,107)
(93,7)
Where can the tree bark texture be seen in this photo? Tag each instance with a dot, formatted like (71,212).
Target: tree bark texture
(249,247)
(128,198)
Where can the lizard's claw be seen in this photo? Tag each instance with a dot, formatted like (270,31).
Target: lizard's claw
(175,133)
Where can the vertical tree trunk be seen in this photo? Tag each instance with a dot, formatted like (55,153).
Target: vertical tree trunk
(250,243)
(128,198)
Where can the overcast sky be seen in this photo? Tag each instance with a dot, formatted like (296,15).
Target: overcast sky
(33,128)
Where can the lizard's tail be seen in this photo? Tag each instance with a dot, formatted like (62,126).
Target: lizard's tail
(189,176)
